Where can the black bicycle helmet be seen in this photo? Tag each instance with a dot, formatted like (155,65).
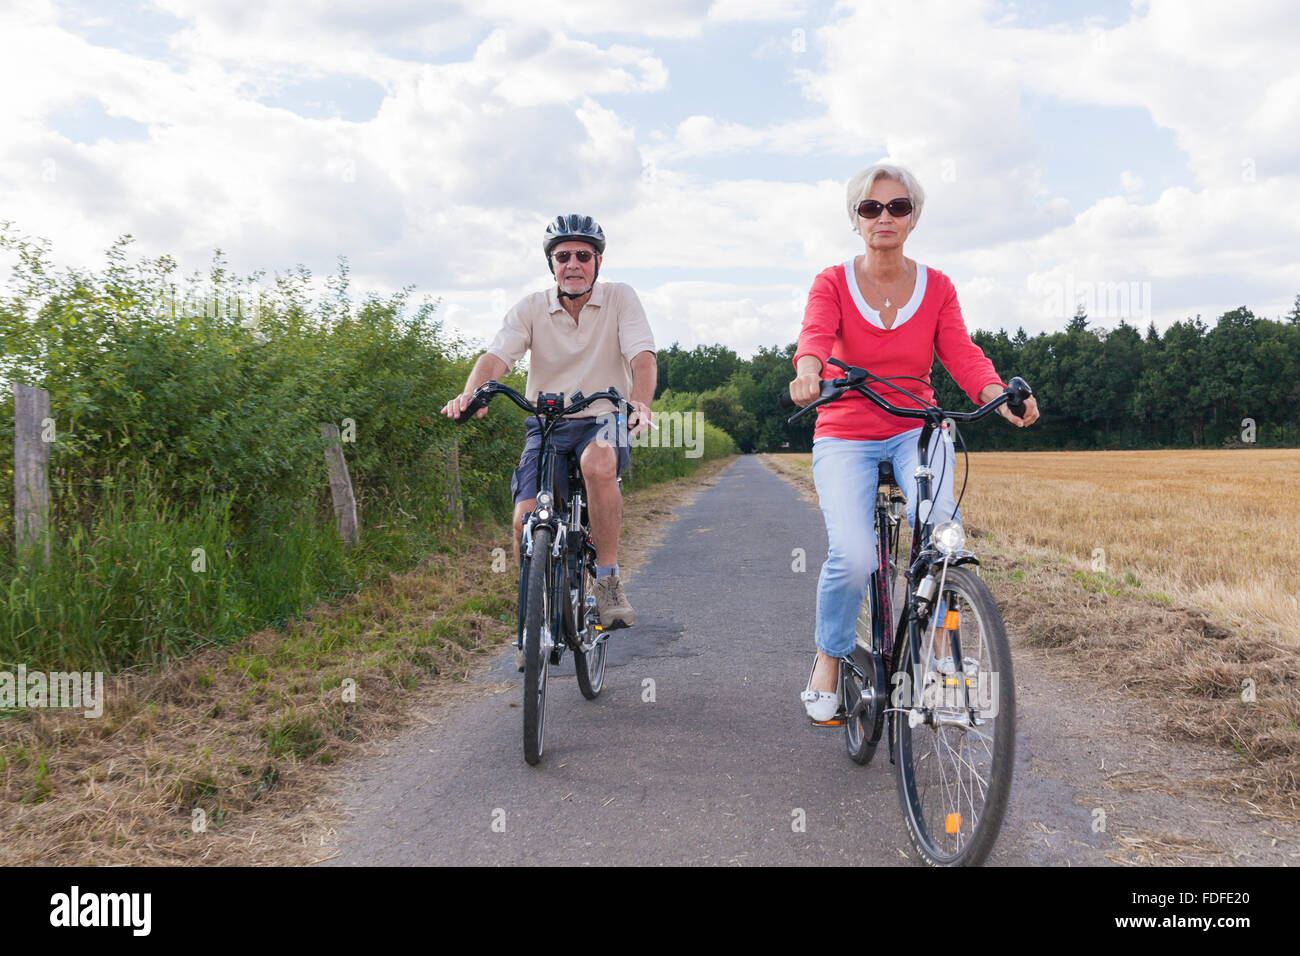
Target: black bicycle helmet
(572,228)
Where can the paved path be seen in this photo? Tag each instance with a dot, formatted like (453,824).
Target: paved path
(717,769)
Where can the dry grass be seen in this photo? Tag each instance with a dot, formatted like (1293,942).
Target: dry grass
(1191,613)
(1210,529)
(248,733)
(238,729)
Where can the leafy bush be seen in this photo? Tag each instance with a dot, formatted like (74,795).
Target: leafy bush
(189,493)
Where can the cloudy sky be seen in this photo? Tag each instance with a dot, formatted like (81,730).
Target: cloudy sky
(1140,157)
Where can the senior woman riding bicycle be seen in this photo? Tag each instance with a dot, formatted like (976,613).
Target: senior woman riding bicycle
(887,313)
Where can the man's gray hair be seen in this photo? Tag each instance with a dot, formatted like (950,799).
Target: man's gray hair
(860,185)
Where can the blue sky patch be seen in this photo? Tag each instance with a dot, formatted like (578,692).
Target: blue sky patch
(87,121)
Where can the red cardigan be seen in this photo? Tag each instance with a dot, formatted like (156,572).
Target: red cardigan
(838,322)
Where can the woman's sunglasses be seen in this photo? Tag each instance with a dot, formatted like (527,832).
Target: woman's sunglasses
(870,208)
(583,255)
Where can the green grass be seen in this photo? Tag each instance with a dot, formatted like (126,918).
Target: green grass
(1099,582)
(150,580)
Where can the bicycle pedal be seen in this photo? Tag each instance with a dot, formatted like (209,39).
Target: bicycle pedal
(837,721)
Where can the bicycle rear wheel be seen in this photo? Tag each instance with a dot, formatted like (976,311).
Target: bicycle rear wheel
(589,664)
(953,779)
(864,697)
(538,621)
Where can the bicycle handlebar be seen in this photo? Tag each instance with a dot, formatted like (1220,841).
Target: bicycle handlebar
(1014,396)
(489,390)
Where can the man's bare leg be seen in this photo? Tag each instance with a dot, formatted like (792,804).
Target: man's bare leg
(521,509)
(599,464)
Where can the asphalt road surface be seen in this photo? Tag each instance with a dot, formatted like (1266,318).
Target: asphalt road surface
(697,751)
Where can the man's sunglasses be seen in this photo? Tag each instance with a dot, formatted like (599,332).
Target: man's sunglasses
(870,208)
(583,255)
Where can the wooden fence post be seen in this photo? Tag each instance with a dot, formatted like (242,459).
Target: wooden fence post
(455,507)
(32,467)
(345,505)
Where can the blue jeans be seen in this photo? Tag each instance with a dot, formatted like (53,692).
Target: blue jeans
(845,472)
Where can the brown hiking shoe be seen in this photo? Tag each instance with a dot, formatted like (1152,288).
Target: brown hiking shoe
(611,603)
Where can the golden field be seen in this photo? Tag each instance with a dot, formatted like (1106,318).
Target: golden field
(1213,529)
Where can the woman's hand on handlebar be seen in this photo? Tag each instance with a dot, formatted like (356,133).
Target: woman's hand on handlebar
(456,407)
(807,385)
(1030,416)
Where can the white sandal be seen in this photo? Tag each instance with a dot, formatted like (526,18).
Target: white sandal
(821,705)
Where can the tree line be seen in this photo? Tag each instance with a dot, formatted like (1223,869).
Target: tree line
(1193,385)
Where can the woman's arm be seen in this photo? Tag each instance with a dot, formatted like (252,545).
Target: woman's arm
(821,328)
(965,361)
(821,321)
(969,367)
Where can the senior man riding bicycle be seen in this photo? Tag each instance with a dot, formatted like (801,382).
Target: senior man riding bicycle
(584,335)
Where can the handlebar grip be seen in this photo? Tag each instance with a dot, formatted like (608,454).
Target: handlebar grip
(1019,391)
(829,390)
(474,405)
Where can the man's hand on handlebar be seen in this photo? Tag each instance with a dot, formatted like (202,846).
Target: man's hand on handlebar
(456,407)
(641,414)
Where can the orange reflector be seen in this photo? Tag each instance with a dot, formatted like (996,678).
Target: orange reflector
(950,621)
(953,823)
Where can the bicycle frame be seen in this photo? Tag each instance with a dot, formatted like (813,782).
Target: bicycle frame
(953,777)
(925,559)
(569,558)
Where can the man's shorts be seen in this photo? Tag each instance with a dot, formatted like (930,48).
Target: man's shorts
(571,437)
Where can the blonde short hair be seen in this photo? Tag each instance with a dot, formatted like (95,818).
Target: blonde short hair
(860,185)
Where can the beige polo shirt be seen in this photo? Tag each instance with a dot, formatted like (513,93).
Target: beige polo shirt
(590,354)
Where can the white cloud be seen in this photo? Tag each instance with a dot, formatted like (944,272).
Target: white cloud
(730,10)
(743,318)
(449,185)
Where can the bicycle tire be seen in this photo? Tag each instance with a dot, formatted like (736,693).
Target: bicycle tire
(864,698)
(538,622)
(589,665)
(954,782)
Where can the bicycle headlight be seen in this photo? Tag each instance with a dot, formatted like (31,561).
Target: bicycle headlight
(949,537)
(542,514)
(544,499)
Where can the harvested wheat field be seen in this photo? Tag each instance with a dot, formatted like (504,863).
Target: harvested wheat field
(1211,529)
(1169,569)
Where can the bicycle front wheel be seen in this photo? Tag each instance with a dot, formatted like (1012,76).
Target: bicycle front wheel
(589,664)
(954,776)
(538,620)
